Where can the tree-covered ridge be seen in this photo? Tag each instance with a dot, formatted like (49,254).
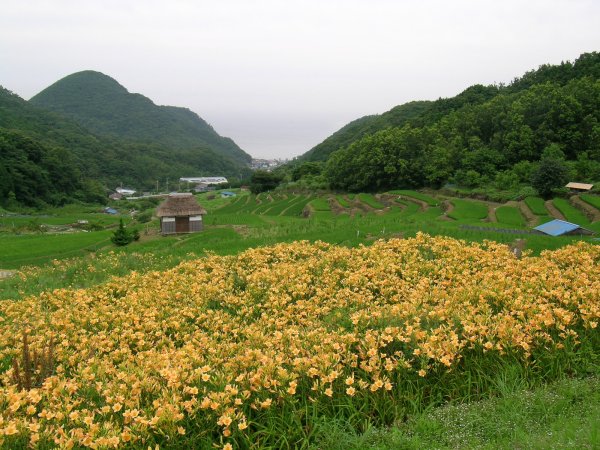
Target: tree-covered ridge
(358,128)
(93,161)
(34,174)
(422,113)
(103,106)
(489,134)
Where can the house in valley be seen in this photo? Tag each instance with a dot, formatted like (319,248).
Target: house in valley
(180,213)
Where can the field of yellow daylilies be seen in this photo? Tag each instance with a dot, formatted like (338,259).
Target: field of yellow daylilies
(249,350)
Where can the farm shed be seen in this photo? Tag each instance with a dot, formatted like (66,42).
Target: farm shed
(180,213)
(579,187)
(202,187)
(561,228)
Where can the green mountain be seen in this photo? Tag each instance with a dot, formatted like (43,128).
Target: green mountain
(100,104)
(485,135)
(358,128)
(33,140)
(425,113)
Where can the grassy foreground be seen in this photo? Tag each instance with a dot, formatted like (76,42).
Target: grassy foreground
(265,348)
(564,414)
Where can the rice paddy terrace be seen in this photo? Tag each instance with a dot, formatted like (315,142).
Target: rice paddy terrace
(583,210)
(234,224)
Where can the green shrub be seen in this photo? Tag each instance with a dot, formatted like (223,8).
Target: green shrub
(121,236)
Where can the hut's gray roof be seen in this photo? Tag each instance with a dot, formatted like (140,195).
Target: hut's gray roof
(184,204)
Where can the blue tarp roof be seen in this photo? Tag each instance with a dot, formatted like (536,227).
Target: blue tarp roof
(557,227)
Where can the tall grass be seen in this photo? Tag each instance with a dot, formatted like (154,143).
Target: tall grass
(468,210)
(371,201)
(417,195)
(536,205)
(342,201)
(593,200)
(571,213)
(563,414)
(320,204)
(510,215)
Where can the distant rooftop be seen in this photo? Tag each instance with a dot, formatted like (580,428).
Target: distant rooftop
(207,180)
(558,227)
(580,186)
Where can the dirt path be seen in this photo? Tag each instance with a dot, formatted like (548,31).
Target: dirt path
(592,213)
(447,207)
(553,211)
(491,217)
(335,206)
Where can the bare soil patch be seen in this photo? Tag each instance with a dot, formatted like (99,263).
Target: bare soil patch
(530,217)
(336,207)
(554,212)
(6,274)
(447,207)
(592,213)
(491,217)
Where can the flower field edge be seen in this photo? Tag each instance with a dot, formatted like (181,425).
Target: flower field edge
(252,350)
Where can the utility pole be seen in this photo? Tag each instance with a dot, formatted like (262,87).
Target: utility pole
(157,186)
(167,185)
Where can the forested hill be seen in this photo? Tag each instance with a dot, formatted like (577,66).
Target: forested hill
(485,134)
(358,128)
(46,158)
(423,113)
(102,105)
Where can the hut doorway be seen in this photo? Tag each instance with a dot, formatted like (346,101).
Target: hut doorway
(182,224)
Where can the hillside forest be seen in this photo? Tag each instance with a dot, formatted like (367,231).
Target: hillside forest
(541,130)
(87,134)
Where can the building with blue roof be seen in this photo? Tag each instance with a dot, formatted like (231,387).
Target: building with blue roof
(558,227)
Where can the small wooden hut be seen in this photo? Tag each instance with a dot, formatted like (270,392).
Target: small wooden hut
(180,213)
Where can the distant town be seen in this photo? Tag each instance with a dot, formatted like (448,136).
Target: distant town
(267,164)
(196,184)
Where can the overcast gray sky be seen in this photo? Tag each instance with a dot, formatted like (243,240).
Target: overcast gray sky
(280,76)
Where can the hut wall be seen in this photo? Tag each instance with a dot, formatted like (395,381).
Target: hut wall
(195,224)
(579,232)
(167,225)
